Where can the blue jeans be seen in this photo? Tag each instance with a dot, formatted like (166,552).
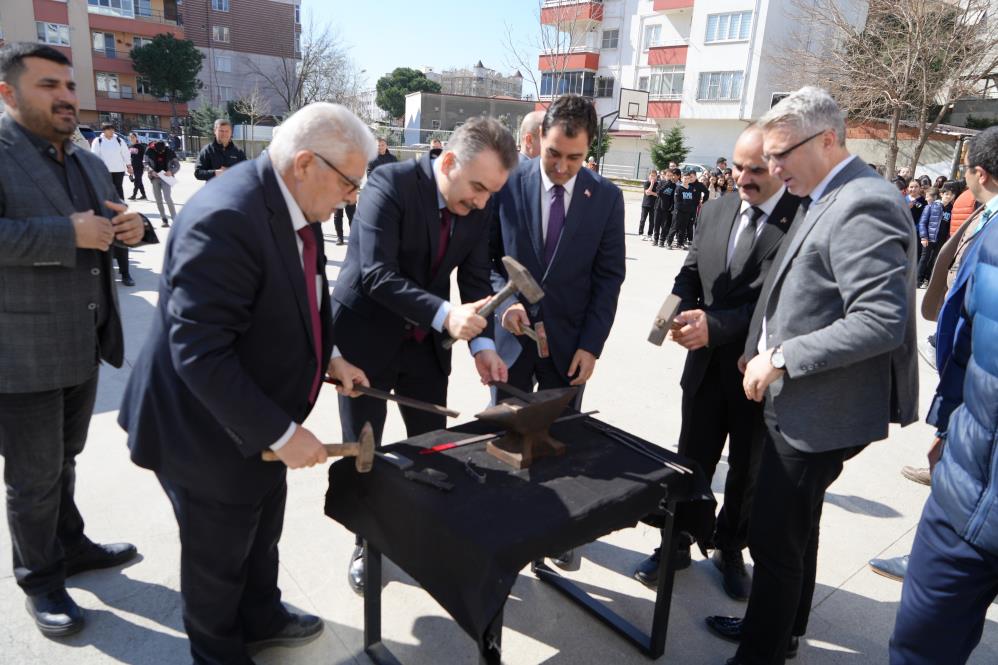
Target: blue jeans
(947,591)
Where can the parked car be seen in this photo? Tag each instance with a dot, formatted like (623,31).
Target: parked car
(88,133)
(698,168)
(153,135)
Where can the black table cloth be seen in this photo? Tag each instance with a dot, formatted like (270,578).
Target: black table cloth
(466,546)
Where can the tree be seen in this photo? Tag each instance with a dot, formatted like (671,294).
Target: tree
(905,64)
(669,147)
(392,89)
(203,119)
(324,73)
(600,146)
(171,66)
(254,106)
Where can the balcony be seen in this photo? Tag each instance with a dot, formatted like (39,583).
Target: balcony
(124,93)
(663,109)
(671,52)
(144,22)
(572,15)
(568,61)
(671,5)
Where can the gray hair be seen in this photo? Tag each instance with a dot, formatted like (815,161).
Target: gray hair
(327,129)
(532,124)
(809,110)
(222,122)
(480,134)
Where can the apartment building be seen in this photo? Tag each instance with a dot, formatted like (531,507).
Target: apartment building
(477,81)
(702,61)
(97,36)
(247,44)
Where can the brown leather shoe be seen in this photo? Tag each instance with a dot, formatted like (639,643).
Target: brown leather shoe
(921,476)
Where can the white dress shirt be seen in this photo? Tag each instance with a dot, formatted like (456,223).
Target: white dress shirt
(745,216)
(546,186)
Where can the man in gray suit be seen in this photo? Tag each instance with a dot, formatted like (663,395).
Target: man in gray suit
(530,136)
(59,214)
(831,349)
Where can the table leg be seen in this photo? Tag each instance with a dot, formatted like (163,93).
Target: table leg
(666,573)
(491,651)
(373,645)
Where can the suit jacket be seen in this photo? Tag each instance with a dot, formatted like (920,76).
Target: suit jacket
(582,283)
(47,329)
(385,287)
(705,282)
(945,267)
(229,360)
(840,298)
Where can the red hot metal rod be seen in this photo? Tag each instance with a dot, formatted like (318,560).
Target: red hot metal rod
(440,447)
(399,399)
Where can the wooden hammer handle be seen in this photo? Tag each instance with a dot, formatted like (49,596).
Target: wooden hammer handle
(489,307)
(333,449)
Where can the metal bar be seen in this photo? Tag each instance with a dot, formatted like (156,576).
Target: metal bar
(625,628)
(491,651)
(372,597)
(666,574)
(399,399)
(626,440)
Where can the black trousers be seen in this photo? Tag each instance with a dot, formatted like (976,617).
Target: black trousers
(928,259)
(715,412)
(530,371)
(649,214)
(681,227)
(784,543)
(118,178)
(663,223)
(338,219)
(121,256)
(137,185)
(228,572)
(41,434)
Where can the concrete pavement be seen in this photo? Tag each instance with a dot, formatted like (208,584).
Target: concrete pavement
(134,614)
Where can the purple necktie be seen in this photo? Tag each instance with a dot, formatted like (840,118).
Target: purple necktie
(556,222)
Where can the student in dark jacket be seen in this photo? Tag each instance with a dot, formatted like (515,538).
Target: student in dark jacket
(916,201)
(934,228)
(666,202)
(687,200)
(220,154)
(648,203)
(136,150)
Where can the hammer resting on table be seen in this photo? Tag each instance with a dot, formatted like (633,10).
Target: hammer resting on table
(362,451)
(520,281)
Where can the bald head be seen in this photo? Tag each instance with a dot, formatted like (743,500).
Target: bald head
(530,134)
(751,172)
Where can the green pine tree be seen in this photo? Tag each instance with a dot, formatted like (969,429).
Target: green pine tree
(670,146)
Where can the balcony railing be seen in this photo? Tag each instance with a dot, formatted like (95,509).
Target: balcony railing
(563,3)
(662,43)
(110,53)
(115,94)
(591,47)
(665,97)
(140,14)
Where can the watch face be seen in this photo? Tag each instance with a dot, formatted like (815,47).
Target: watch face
(777,359)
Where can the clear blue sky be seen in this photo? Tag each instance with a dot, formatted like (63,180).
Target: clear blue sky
(441,34)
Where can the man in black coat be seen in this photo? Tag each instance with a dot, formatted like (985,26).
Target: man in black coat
(384,157)
(417,221)
(220,154)
(719,284)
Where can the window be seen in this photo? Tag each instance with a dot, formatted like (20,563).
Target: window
(667,82)
(223,63)
(732,27)
(147,121)
(220,33)
(220,5)
(126,92)
(610,38)
(297,14)
(604,86)
(143,8)
(115,119)
(56,34)
(435,124)
(104,44)
(140,41)
(643,83)
(124,8)
(107,85)
(297,43)
(142,86)
(578,83)
(720,86)
(653,34)
(225,93)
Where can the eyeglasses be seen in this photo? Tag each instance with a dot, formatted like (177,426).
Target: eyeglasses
(780,156)
(354,185)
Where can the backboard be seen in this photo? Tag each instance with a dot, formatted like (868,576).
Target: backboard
(633,104)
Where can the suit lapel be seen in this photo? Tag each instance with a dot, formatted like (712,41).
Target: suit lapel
(776,227)
(531,192)
(30,161)
(717,256)
(429,211)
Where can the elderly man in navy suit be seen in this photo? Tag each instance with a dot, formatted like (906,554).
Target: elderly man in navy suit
(232,367)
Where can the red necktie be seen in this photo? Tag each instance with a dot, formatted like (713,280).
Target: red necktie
(310,258)
(445,221)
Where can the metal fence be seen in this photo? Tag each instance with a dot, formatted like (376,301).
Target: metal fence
(626,165)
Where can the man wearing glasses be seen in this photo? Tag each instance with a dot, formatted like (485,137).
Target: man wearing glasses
(232,367)
(417,221)
(831,351)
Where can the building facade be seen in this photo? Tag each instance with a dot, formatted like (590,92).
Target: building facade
(430,115)
(246,44)
(477,81)
(97,36)
(703,62)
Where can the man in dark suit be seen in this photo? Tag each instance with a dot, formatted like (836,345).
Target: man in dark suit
(59,318)
(831,349)
(565,224)
(719,284)
(233,366)
(417,221)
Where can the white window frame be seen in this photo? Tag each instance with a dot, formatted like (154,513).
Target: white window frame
(223,63)
(724,24)
(59,31)
(226,93)
(297,14)
(720,86)
(138,41)
(219,31)
(616,38)
(125,8)
(108,83)
(652,36)
(219,5)
(665,83)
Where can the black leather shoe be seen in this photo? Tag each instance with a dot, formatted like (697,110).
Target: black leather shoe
(737,583)
(567,560)
(94,556)
(730,628)
(339,242)
(355,571)
(127,281)
(647,570)
(55,613)
(301,629)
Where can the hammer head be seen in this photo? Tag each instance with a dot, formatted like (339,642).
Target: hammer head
(365,449)
(523,280)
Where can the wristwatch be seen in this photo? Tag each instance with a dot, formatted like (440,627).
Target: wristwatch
(776,360)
